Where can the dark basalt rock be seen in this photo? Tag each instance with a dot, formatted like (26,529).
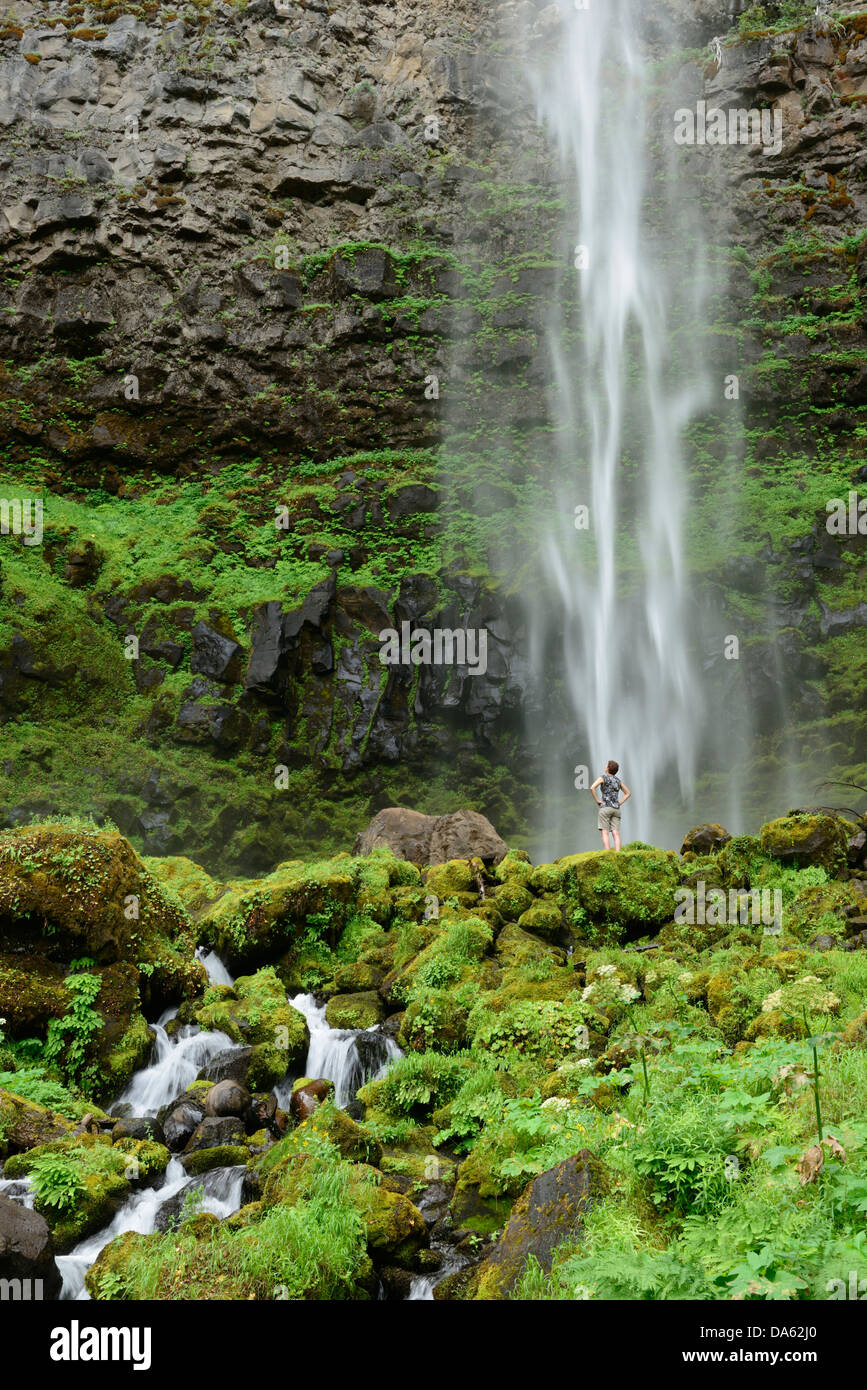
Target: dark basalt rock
(181,1122)
(231,1065)
(215,1131)
(26,1251)
(550,1211)
(215,655)
(138,1129)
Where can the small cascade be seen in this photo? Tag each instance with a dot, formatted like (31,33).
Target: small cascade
(214,967)
(423,1285)
(433,1204)
(221,1191)
(18,1190)
(175,1065)
(350,1057)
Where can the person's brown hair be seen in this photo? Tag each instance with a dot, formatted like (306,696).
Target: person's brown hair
(613,767)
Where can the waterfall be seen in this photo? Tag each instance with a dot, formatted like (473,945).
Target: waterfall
(175,1065)
(214,967)
(221,1194)
(350,1057)
(621,397)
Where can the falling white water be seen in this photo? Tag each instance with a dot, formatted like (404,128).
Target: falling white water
(619,412)
(221,1194)
(214,967)
(176,1064)
(350,1057)
(18,1190)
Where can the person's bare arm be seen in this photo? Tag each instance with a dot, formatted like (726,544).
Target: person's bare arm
(628,793)
(597,783)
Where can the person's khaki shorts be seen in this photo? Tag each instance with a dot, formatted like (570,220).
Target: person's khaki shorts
(609,818)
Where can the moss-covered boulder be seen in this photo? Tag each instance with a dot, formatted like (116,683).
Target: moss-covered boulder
(395,1229)
(67,893)
(803,838)
(514,867)
(256,1011)
(550,1211)
(705,839)
(32,992)
(352,1140)
(513,899)
(444,880)
(517,947)
(542,919)
(363,1010)
(105,1278)
(268,1066)
(188,881)
(357,977)
(254,920)
(629,891)
(435,1021)
(24,1125)
(220,1156)
(80,1182)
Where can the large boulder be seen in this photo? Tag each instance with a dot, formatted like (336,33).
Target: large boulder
(252,922)
(807,837)
(227,1098)
(24,1124)
(27,1253)
(65,895)
(465,835)
(425,840)
(550,1210)
(629,892)
(704,839)
(253,1012)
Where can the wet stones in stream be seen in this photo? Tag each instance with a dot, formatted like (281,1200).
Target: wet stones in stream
(180,1120)
(227,1098)
(137,1129)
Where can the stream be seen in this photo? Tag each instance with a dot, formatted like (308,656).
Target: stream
(347,1057)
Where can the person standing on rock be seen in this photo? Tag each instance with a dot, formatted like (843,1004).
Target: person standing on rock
(609,803)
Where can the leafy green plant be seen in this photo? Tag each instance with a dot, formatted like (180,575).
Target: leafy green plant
(69,1039)
(544,1132)
(56,1181)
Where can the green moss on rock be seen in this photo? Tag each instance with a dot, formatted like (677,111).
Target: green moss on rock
(542,919)
(354,1010)
(803,838)
(220,1156)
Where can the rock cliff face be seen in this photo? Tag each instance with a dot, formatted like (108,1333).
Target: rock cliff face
(261,261)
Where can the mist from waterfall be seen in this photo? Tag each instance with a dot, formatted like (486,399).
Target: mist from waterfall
(619,403)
